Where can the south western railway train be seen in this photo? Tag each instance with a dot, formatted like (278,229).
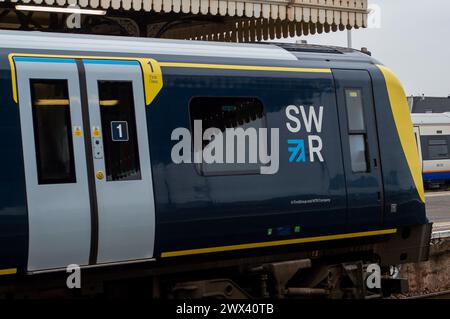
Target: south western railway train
(102,167)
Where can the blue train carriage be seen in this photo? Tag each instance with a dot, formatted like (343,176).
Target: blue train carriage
(105,160)
(432,133)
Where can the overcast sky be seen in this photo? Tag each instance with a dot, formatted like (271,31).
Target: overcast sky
(414,41)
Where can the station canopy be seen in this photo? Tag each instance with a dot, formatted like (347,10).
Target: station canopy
(215,20)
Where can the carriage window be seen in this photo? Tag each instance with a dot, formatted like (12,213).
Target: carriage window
(52,131)
(222,113)
(355,114)
(119,130)
(438,149)
(357,131)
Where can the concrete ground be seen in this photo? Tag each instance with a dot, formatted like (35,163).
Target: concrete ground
(438,208)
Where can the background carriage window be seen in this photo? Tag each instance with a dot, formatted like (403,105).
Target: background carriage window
(119,130)
(52,131)
(438,149)
(357,131)
(223,113)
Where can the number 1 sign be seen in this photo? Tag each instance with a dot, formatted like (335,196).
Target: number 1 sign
(119,131)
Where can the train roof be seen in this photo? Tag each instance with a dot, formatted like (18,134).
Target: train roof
(430,118)
(117,44)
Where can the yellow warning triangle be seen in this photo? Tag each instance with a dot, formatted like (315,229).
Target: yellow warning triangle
(96,132)
(78,132)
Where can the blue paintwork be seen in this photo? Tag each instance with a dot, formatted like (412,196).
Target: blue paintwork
(43,60)
(13,213)
(113,62)
(436,176)
(196,211)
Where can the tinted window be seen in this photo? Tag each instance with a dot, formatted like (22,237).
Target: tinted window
(357,130)
(438,149)
(119,130)
(355,112)
(225,113)
(435,147)
(52,131)
(358,153)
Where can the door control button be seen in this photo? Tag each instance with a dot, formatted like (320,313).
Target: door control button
(100,175)
(98,148)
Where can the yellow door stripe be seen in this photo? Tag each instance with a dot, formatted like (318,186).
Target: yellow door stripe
(403,122)
(10,271)
(153,81)
(276,243)
(242,67)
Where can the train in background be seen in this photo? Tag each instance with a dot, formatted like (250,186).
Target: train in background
(89,126)
(432,131)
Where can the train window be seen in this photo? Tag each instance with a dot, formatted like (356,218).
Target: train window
(119,130)
(358,153)
(357,130)
(225,113)
(438,149)
(355,114)
(52,131)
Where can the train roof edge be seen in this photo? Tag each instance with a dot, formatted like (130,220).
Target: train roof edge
(430,118)
(118,44)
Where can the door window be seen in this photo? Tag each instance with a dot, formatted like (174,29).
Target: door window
(358,152)
(119,130)
(52,131)
(357,130)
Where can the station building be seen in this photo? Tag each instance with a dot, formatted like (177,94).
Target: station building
(213,20)
(429,104)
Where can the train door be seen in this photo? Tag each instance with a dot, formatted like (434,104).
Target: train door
(360,147)
(419,145)
(118,123)
(87,165)
(59,218)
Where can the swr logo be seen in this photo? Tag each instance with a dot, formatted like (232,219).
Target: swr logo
(297,151)
(308,120)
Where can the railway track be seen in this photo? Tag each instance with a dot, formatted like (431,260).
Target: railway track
(435,295)
(441,233)
(441,230)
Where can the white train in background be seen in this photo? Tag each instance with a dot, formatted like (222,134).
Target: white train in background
(432,132)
